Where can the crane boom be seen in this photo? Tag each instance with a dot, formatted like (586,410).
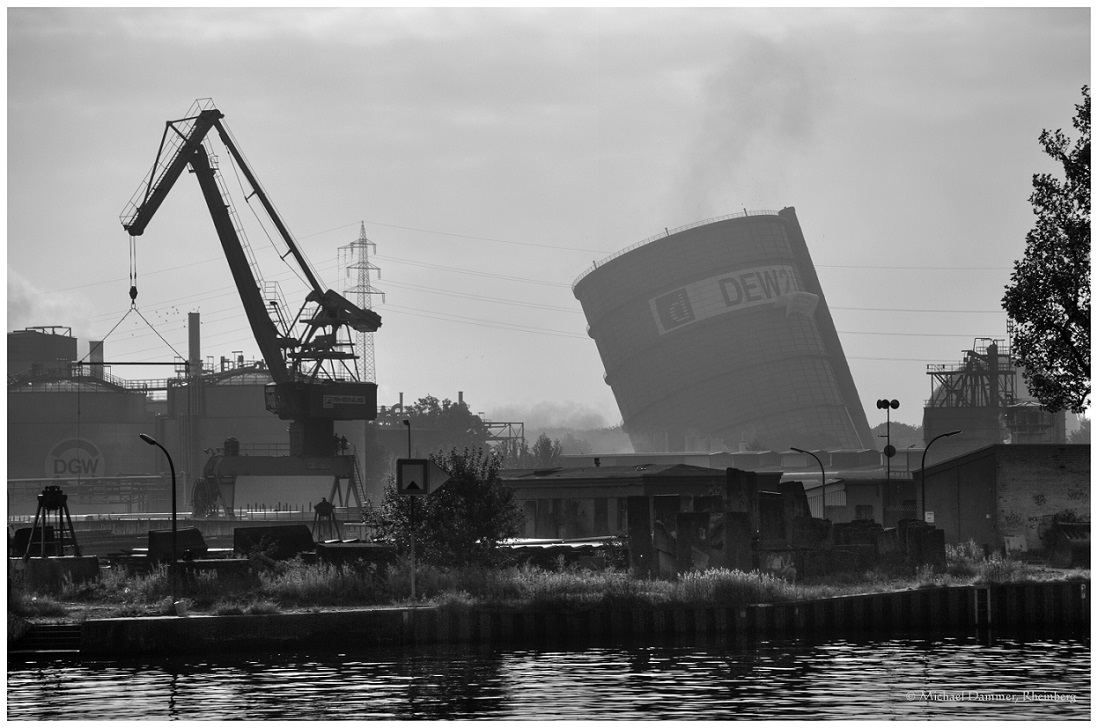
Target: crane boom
(190,134)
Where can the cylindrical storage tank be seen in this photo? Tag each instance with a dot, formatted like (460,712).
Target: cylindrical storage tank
(718,334)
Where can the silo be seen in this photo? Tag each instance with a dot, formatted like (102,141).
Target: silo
(717,334)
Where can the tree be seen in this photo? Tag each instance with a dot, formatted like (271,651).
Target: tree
(901,435)
(464,521)
(1048,298)
(458,427)
(546,453)
(1082,435)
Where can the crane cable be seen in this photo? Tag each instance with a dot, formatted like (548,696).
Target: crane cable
(133,305)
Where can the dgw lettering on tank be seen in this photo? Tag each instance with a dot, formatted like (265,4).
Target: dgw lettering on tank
(72,458)
(733,291)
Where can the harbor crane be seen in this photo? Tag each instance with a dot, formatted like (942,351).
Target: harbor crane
(310,356)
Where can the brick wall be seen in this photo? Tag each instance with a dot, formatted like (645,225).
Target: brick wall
(1035,482)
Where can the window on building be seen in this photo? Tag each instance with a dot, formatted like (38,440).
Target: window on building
(863,513)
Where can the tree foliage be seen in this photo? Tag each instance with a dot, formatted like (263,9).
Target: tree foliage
(546,452)
(1048,298)
(900,434)
(463,522)
(458,427)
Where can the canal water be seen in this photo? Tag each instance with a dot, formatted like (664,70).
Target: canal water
(920,678)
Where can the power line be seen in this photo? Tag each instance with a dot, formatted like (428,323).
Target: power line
(914,267)
(910,310)
(466,271)
(490,299)
(494,240)
(488,323)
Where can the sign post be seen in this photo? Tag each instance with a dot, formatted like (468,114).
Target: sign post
(417,477)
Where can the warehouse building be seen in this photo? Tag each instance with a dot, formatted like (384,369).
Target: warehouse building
(1006,496)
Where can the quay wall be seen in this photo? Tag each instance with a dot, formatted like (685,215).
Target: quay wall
(1046,606)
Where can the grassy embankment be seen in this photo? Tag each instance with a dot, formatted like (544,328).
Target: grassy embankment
(300,586)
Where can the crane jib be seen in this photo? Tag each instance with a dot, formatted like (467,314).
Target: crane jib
(170,169)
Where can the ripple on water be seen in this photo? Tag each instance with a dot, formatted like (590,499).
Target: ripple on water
(910,678)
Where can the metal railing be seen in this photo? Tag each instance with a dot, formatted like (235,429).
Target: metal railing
(667,233)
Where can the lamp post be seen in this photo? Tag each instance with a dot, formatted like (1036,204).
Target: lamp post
(171,466)
(922,468)
(411,517)
(888,405)
(823,475)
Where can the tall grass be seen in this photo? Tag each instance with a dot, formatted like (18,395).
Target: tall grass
(299,584)
(572,588)
(724,586)
(968,563)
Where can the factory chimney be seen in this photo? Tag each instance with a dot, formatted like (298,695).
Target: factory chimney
(95,358)
(194,343)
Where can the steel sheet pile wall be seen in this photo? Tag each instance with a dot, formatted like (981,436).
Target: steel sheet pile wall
(721,332)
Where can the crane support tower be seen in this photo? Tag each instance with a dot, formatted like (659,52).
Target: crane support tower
(310,357)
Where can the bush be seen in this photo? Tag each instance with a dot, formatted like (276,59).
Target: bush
(1002,570)
(463,522)
(26,605)
(964,559)
(968,561)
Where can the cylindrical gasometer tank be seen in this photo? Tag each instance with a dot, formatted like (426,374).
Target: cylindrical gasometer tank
(719,331)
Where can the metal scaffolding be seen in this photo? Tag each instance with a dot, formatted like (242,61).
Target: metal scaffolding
(984,379)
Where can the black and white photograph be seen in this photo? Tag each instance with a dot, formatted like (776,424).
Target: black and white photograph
(548,362)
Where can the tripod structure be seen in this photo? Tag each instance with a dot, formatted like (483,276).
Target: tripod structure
(52,501)
(324,522)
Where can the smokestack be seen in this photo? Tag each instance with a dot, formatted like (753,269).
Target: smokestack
(194,342)
(95,358)
(461,397)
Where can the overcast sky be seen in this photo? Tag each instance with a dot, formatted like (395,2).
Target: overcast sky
(494,154)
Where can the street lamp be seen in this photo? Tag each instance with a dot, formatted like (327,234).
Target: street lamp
(922,469)
(823,475)
(411,518)
(888,405)
(171,466)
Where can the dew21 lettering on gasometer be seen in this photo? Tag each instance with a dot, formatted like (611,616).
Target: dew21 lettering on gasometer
(724,293)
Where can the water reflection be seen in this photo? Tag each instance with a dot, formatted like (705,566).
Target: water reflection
(949,677)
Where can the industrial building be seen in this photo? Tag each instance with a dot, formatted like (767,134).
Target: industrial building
(718,333)
(76,424)
(1007,496)
(984,400)
(840,485)
(73,424)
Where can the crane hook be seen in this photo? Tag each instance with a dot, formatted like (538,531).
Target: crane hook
(133,274)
